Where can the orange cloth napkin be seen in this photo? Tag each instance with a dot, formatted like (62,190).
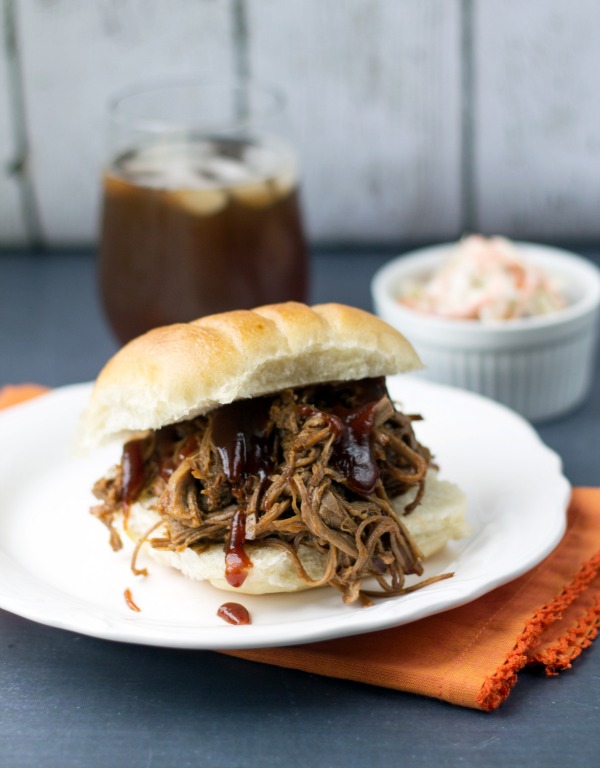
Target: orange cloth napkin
(13,394)
(469,655)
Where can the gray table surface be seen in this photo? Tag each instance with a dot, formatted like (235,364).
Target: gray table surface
(71,700)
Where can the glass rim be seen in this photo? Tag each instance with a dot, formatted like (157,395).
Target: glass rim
(159,125)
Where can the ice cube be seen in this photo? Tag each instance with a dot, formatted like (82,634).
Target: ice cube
(258,195)
(225,170)
(285,182)
(262,162)
(201,202)
(166,165)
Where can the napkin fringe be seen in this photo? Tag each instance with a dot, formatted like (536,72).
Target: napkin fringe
(497,687)
(560,656)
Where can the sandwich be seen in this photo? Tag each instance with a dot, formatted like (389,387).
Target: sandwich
(261,452)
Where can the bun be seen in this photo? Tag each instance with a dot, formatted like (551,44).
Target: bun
(181,371)
(439,518)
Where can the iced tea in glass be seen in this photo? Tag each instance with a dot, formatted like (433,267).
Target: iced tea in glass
(201,209)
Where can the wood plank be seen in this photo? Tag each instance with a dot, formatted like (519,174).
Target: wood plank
(374,101)
(75,57)
(12,223)
(537,128)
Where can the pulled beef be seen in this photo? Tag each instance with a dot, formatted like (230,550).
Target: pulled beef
(109,490)
(313,466)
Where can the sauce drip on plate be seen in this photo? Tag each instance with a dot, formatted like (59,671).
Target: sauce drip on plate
(234,613)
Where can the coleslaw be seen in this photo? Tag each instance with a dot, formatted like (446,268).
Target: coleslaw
(486,279)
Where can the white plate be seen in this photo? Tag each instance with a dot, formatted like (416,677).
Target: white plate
(56,566)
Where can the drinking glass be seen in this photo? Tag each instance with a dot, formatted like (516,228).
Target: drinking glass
(201,209)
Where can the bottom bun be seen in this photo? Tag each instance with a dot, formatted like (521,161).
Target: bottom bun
(440,517)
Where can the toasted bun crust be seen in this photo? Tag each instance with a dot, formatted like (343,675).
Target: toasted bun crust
(440,517)
(180,371)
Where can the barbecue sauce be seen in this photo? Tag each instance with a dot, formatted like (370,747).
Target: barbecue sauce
(237,562)
(234,613)
(167,461)
(132,463)
(239,432)
(352,452)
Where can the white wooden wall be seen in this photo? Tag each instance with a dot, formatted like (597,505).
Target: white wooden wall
(415,119)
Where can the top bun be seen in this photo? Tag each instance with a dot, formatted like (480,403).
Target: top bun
(184,370)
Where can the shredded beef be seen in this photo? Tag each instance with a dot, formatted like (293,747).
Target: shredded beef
(315,466)
(109,491)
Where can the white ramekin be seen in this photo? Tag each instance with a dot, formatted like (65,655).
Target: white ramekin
(541,367)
